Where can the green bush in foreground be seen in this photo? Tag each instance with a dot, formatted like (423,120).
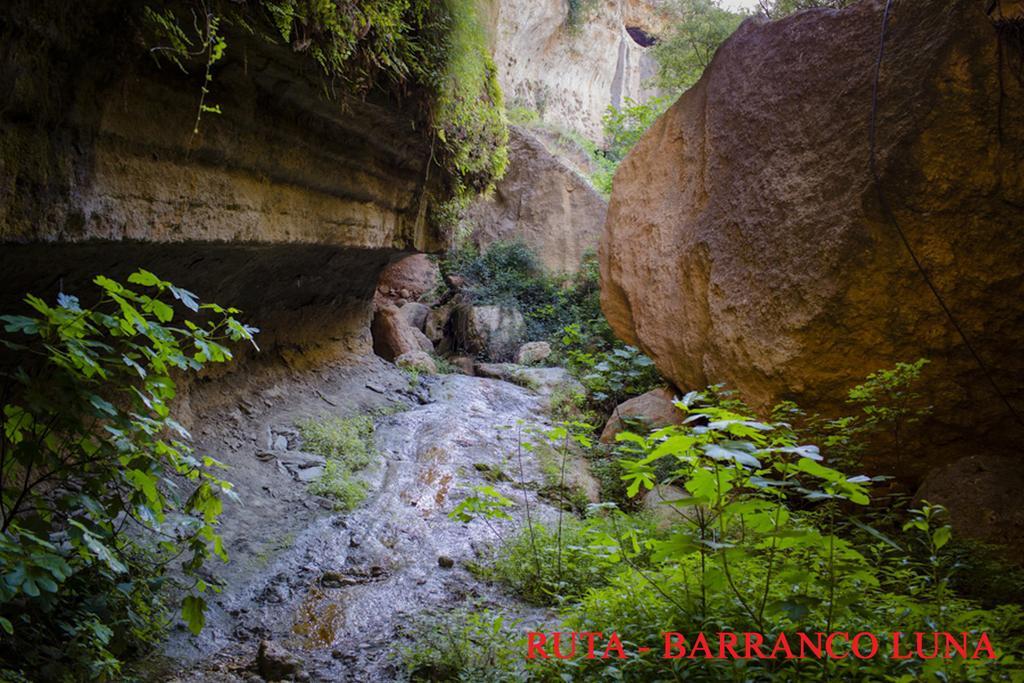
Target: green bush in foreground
(767,537)
(99,489)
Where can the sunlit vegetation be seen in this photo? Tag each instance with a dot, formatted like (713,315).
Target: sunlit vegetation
(769,535)
(347,445)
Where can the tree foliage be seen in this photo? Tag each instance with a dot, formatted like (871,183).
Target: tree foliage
(698,28)
(776,9)
(99,488)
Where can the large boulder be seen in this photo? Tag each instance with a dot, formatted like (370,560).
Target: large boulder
(542,203)
(493,332)
(655,409)
(746,242)
(544,381)
(659,503)
(408,278)
(393,336)
(982,493)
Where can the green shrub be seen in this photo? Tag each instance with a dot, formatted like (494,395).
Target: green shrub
(347,440)
(610,373)
(776,9)
(100,489)
(509,274)
(470,644)
(579,13)
(770,539)
(547,567)
(337,483)
(624,126)
(347,443)
(523,116)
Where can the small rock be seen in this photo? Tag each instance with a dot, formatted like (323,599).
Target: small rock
(532,353)
(280,443)
(336,580)
(655,409)
(445,562)
(310,474)
(417,360)
(265,456)
(275,663)
(301,459)
(463,364)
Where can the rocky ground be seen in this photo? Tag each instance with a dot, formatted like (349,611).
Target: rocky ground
(319,595)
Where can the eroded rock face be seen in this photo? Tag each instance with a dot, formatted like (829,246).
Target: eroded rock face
(571,74)
(543,203)
(412,276)
(745,242)
(286,205)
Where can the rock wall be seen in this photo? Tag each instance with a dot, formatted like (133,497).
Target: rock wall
(543,203)
(287,205)
(746,244)
(570,74)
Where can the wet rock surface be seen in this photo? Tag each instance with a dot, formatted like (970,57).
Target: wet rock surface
(338,591)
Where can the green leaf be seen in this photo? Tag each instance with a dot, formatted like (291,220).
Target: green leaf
(20,323)
(145,278)
(102,405)
(193,611)
(941,536)
(186,297)
(106,283)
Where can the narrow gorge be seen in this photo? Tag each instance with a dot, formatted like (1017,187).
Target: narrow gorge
(496,340)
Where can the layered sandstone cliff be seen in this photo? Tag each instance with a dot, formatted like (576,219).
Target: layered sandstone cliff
(287,204)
